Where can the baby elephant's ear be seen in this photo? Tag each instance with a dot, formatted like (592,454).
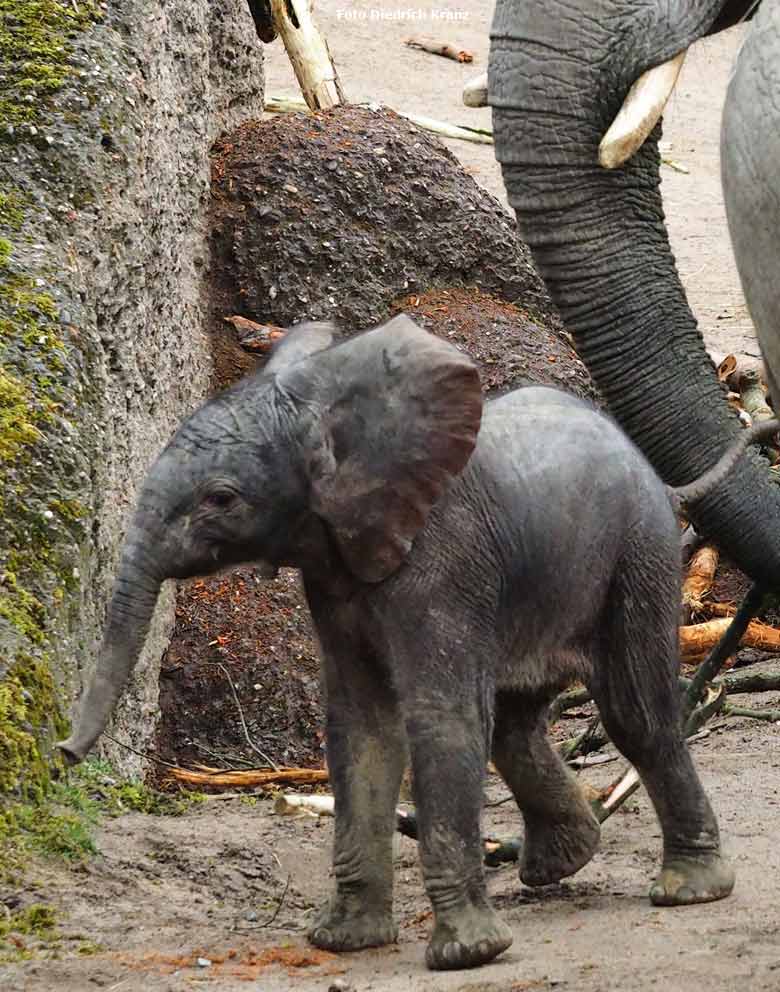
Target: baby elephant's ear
(300,342)
(400,415)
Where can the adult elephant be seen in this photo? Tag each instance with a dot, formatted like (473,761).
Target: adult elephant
(559,72)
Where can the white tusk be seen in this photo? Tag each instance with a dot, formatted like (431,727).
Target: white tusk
(475,93)
(639,114)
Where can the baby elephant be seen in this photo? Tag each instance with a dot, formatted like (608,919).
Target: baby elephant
(459,576)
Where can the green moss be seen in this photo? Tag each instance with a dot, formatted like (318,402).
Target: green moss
(62,824)
(28,702)
(17,416)
(12,207)
(52,832)
(35,38)
(36,392)
(37,921)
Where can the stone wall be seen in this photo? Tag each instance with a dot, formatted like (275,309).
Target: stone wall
(105,127)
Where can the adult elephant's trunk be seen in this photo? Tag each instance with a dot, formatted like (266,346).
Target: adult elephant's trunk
(132,604)
(558,76)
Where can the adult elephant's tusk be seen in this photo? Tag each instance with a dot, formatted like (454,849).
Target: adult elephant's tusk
(639,114)
(475,92)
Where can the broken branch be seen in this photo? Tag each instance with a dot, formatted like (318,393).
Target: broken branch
(253,336)
(308,52)
(246,777)
(483,136)
(250,742)
(771,715)
(753,396)
(697,639)
(699,578)
(444,49)
(292,805)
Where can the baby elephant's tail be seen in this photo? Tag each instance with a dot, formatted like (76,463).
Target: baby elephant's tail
(683,496)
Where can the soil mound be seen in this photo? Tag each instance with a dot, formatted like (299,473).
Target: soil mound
(337,214)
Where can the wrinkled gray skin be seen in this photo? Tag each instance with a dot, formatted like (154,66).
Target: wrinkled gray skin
(558,73)
(528,569)
(750,163)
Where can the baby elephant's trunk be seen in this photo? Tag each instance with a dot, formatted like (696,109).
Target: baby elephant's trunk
(684,496)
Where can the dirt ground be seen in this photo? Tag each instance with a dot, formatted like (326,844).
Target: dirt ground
(232,884)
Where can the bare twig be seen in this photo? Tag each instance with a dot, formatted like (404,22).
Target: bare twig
(141,754)
(269,761)
(483,136)
(231,759)
(270,920)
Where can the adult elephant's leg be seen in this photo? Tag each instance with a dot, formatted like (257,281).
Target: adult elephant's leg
(366,757)
(561,832)
(750,162)
(448,719)
(558,74)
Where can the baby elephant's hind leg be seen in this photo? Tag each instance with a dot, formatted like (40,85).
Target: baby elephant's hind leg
(561,832)
(636,689)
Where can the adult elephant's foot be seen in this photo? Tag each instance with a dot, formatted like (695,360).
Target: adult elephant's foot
(346,925)
(466,938)
(553,850)
(687,880)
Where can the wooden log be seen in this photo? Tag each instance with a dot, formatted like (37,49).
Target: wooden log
(697,639)
(444,49)
(719,609)
(731,367)
(699,578)
(567,701)
(773,716)
(253,336)
(308,52)
(743,682)
(754,403)
(247,777)
(475,92)
(294,805)
(753,396)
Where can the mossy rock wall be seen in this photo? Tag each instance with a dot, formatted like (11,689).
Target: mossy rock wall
(107,115)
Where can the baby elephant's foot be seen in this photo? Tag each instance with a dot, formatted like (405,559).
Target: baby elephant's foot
(466,938)
(684,881)
(342,927)
(554,850)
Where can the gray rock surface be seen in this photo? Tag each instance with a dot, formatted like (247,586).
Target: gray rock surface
(115,186)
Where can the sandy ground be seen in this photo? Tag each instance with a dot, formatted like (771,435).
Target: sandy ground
(374,64)
(165,891)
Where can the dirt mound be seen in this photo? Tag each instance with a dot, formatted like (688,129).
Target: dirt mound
(336,215)
(508,343)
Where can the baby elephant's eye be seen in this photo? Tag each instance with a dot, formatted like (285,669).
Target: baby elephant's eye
(221,498)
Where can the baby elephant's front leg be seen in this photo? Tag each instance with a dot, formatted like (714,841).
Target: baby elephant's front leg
(366,758)
(448,762)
